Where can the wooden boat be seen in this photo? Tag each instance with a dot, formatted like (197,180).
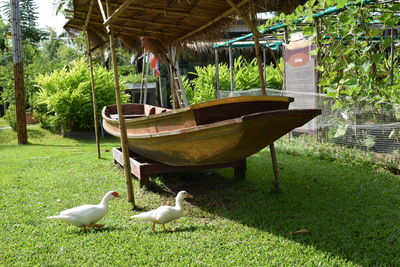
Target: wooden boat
(214,132)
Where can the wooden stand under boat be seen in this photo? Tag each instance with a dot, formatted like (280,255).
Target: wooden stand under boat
(142,168)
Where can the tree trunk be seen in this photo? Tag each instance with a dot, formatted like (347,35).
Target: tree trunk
(18,73)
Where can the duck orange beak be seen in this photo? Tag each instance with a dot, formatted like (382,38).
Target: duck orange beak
(189,196)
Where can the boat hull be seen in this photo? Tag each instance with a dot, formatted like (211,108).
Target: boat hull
(179,139)
(233,141)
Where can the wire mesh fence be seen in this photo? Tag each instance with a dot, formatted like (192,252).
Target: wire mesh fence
(358,126)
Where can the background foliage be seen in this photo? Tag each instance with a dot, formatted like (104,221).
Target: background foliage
(354,50)
(202,88)
(64,97)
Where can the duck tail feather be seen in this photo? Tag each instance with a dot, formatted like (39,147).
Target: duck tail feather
(142,216)
(59,217)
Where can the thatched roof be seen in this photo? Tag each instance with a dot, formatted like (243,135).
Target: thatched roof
(157,24)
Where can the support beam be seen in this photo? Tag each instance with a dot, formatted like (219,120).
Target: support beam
(141,31)
(277,181)
(231,69)
(391,55)
(178,93)
(135,21)
(256,34)
(117,12)
(144,58)
(174,12)
(216,73)
(286,41)
(94,102)
(121,119)
(265,64)
(88,15)
(18,73)
(249,23)
(318,24)
(223,15)
(103,13)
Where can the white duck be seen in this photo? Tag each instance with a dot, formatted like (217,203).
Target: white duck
(87,215)
(164,214)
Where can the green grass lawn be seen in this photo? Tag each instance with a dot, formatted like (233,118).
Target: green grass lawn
(352,213)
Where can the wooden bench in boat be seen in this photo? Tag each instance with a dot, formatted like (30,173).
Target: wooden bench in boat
(146,111)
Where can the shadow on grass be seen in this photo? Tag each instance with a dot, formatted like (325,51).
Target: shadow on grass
(178,230)
(351,213)
(79,231)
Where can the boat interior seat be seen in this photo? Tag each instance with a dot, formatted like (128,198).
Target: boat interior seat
(149,110)
(161,110)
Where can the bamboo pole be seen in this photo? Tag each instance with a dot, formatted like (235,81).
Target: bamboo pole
(391,55)
(160,90)
(172,85)
(265,64)
(221,16)
(170,61)
(94,102)
(248,21)
(216,73)
(103,13)
(231,69)
(18,73)
(256,33)
(142,81)
(263,92)
(121,119)
(89,14)
(117,12)
(286,40)
(318,25)
(146,78)
(181,89)
(277,181)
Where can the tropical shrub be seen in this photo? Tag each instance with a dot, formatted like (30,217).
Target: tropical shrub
(202,88)
(137,78)
(11,117)
(64,98)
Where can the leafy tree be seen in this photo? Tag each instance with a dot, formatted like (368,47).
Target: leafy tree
(29,16)
(61,5)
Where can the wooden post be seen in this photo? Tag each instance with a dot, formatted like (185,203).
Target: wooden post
(258,48)
(94,102)
(177,89)
(263,92)
(277,182)
(265,66)
(172,85)
(231,69)
(216,73)
(142,81)
(121,119)
(391,55)
(146,76)
(318,24)
(18,73)
(286,40)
